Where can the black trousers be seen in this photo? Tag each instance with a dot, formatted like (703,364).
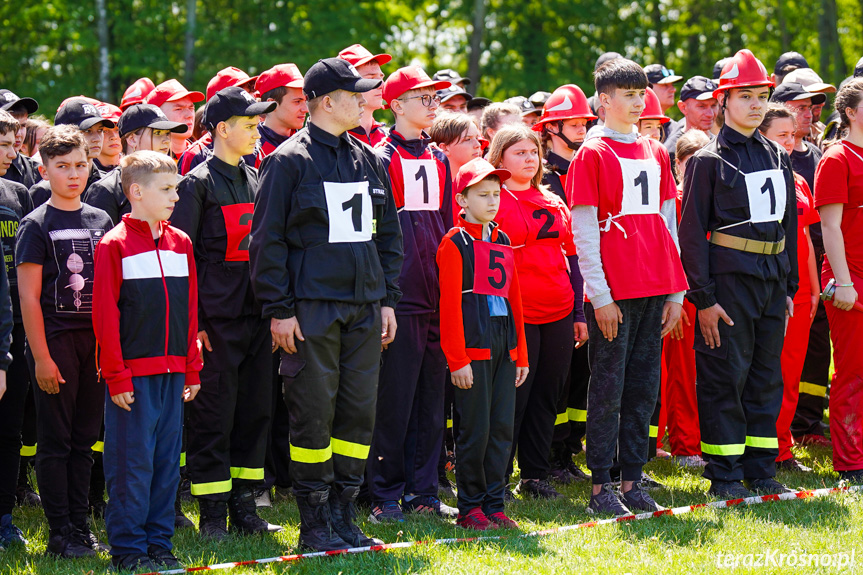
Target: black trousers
(549,350)
(406,442)
(572,408)
(229,419)
(68,425)
(331,390)
(624,383)
(486,418)
(814,379)
(11,420)
(739,384)
(278,463)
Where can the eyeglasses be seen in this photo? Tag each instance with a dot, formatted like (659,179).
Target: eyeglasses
(425,99)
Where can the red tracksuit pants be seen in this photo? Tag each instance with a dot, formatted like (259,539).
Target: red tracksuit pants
(846,391)
(682,407)
(793,357)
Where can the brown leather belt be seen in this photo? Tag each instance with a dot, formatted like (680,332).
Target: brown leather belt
(745,245)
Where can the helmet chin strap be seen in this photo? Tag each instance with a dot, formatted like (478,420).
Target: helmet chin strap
(569,143)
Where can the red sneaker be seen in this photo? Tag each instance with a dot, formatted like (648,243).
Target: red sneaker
(475,519)
(499,520)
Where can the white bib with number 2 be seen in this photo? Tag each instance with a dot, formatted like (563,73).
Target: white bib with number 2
(349,207)
(421,184)
(767,195)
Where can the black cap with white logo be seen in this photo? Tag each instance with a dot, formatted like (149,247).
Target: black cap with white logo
(230,102)
(80,113)
(697,87)
(331,74)
(148,116)
(9,101)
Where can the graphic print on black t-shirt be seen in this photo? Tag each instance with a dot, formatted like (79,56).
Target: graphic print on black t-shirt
(73,253)
(8,228)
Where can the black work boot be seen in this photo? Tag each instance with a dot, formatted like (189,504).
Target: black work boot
(342,514)
(24,493)
(316,529)
(244,513)
(213,523)
(180,519)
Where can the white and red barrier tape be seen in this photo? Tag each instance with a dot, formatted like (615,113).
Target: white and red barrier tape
(803,494)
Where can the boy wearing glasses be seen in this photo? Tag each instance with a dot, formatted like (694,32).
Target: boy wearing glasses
(406,442)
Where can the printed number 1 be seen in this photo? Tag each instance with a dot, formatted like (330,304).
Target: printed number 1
(768,187)
(642,179)
(355,204)
(421,175)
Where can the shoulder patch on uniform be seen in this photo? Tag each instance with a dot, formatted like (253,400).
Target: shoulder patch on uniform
(378,192)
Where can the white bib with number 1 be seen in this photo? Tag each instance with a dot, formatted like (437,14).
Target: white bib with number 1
(349,207)
(640,186)
(421,185)
(767,195)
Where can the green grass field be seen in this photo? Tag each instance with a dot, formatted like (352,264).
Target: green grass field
(694,543)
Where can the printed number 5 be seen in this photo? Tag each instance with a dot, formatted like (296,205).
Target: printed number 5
(355,204)
(494,265)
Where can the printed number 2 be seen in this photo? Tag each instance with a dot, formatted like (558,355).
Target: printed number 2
(545,231)
(768,187)
(642,180)
(245,220)
(494,265)
(421,175)
(355,204)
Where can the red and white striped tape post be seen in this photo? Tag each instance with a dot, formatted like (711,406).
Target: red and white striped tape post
(797,495)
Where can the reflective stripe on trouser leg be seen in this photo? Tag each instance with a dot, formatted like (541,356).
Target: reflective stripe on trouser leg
(809,416)
(229,420)
(331,391)
(739,387)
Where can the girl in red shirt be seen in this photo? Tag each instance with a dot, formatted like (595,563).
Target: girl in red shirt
(539,225)
(779,125)
(839,199)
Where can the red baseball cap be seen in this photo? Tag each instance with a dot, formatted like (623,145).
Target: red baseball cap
(227,77)
(171,91)
(409,78)
(475,171)
(136,93)
(279,76)
(109,111)
(358,55)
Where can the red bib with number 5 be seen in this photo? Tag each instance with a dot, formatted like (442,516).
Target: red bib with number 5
(493,266)
(238,223)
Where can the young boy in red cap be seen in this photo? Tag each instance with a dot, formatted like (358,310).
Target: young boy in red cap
(178,104)
(282,84)
(482,336)
(624,224)
(368,65)
(230,422)
(145,316)
(413,368)
(202,148)
(54,258)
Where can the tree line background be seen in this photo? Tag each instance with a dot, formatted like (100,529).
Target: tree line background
(52,49)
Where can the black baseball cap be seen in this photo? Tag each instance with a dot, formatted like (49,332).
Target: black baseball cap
(524,105)
(858,69)
(449,75)
(478,103)
(140,116)
(717,68)
(659,74)
(80,113)
(9,100)
(790,59)
(605,57)
(698,88)
(452,91)
(791,91)
(233,101)
(539,98)
(331,74)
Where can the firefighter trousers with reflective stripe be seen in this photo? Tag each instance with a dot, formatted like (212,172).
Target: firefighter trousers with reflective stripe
(330,387)
(815,379)
(572,408)
(229,420)
(739,383)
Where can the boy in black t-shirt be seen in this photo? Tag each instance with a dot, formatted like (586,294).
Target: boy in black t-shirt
(54,257)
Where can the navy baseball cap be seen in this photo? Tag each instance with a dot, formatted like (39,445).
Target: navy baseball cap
(698,88)
(233,101)
(331,74)
(9,100)
(659,74)
(792,91)
(453,91)
(80,113)
(524,105)
(139,116)
(795,59)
